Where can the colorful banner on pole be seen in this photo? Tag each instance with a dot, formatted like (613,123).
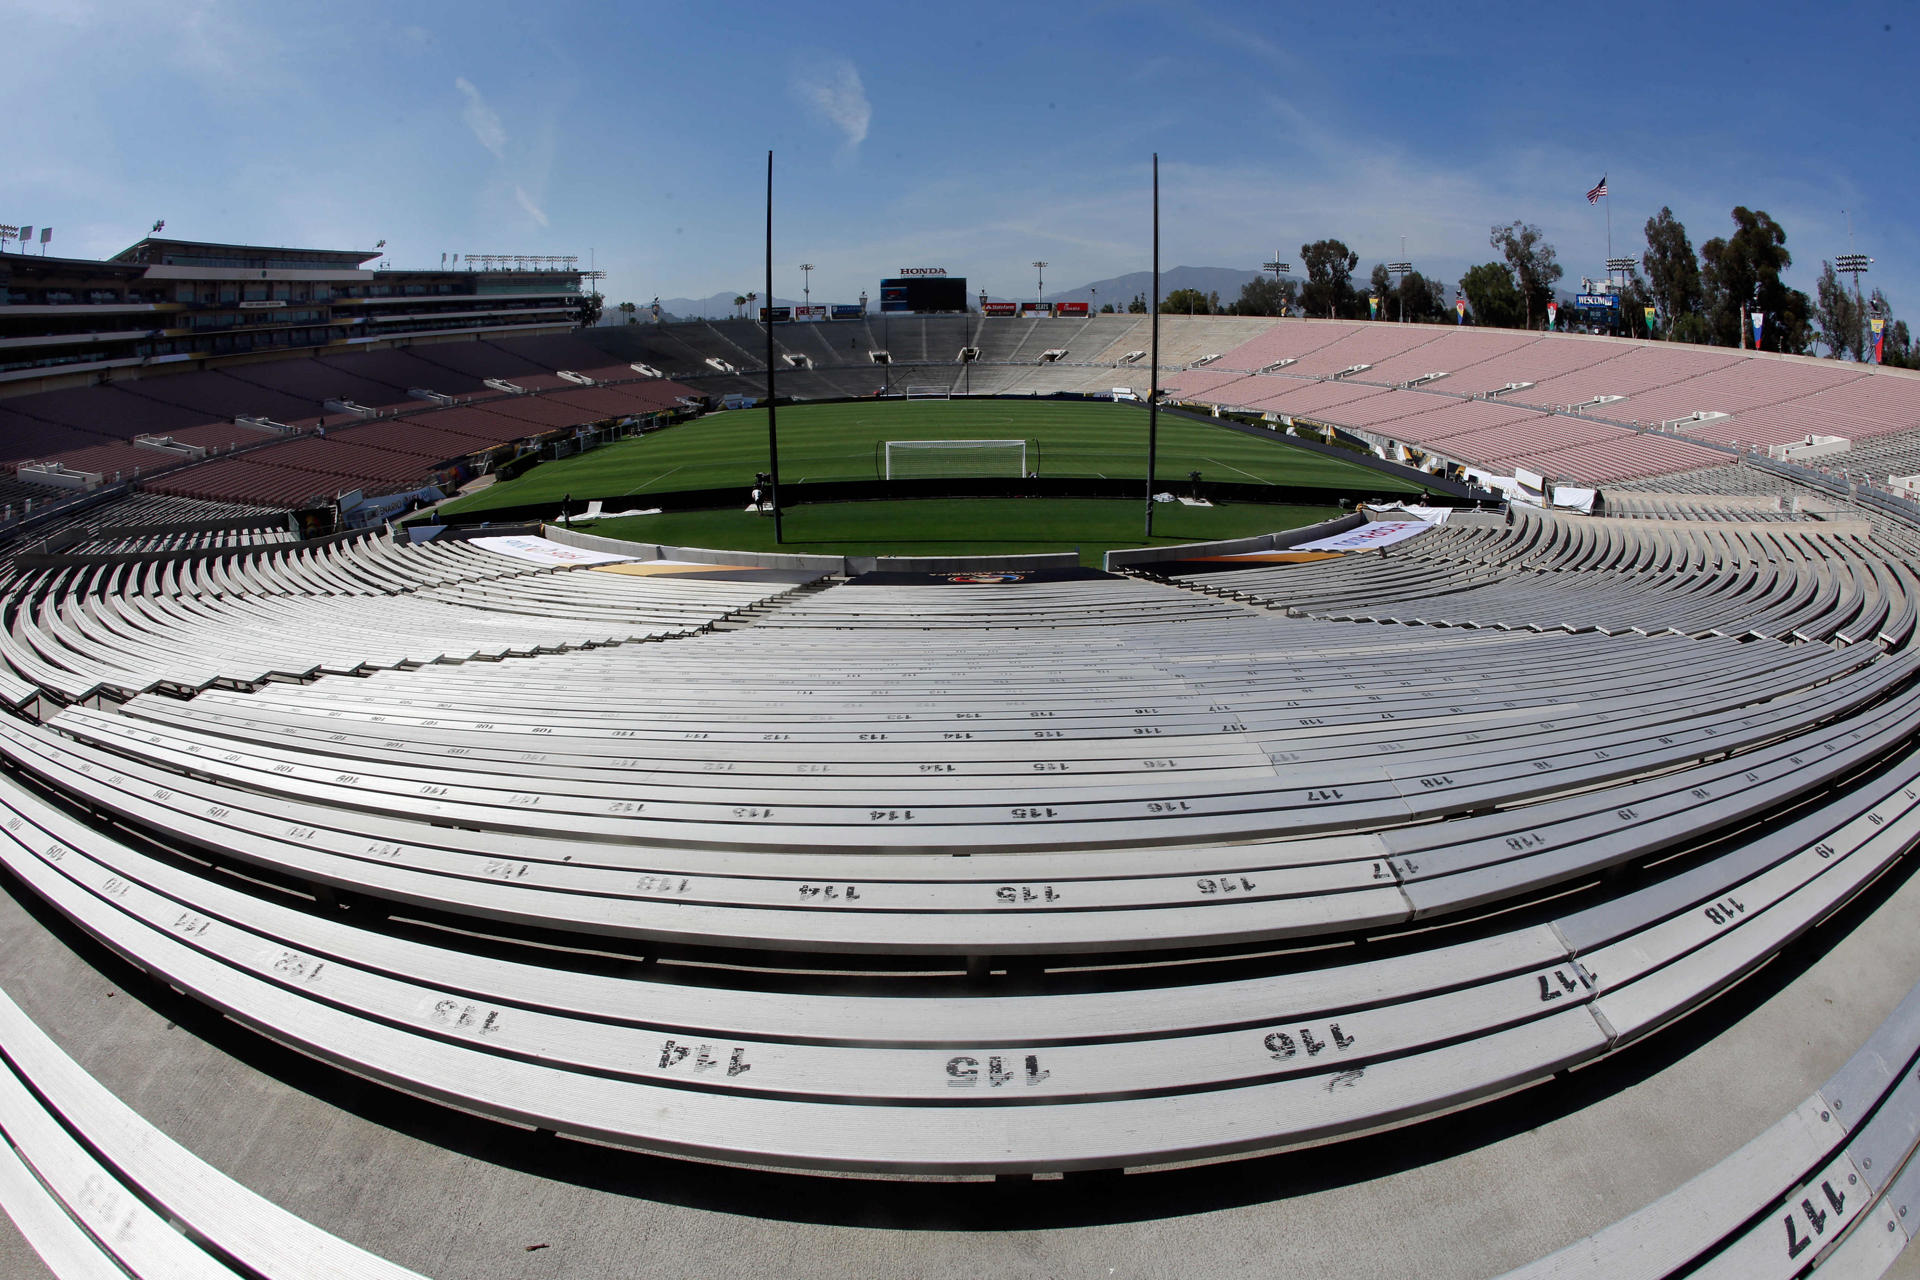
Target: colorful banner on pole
(1460,310)
(1373,306)
(1553,314)
(1758,318)
(1879,325)
(1650,313)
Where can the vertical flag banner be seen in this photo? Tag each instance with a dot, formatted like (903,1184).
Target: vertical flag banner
(1460,310)
(1879,324)
(1553,314)
(1373,306)
(1650,314)
(1758,318)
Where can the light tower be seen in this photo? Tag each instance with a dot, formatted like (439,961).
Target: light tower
(1402,270)
(1277,267)
(806,290)
(1041,295)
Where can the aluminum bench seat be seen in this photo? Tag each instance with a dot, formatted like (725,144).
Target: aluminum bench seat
(114,1213)
(1633,963)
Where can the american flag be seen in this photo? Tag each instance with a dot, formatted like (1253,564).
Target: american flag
(1593,196)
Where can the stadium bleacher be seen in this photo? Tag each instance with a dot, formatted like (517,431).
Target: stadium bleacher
(797,869)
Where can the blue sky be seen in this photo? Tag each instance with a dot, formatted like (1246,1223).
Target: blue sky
(976,137)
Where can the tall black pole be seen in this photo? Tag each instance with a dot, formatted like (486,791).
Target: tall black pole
(1153,385)
(773,436)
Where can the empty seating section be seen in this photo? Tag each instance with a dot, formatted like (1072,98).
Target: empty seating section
(1575,405)
(1097,770)
(91,429)
(896,874)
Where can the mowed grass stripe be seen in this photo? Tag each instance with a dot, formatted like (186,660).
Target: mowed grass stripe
(824,442)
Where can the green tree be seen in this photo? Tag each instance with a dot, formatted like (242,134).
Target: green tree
(1900,350)
(1329,288)
(1138,307)
(1635,297)
(590,305)
(1106,308)
(739,305)
(1491,295)
(627,309)
(1836,316)
(1420,299)
(1264,296)
(1673,272)
(1743,270)
(1533,264)
(1185,302)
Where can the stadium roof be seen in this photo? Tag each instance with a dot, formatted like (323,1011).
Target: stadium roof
(156,249)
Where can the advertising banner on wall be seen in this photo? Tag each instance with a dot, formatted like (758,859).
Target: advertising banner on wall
(810,315)
(847,311)
(1036,309)
(1000,309)
(1070,308)
(778,315)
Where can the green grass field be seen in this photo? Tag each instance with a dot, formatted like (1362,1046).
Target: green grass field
(956,526)
(839,442)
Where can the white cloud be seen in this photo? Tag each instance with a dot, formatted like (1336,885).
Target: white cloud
(481,118)
(833,89)
(526,202)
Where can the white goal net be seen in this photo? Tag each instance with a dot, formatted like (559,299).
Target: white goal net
(920,459)
(928,393)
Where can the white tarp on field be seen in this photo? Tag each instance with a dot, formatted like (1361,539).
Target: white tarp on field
(545,551)
(1377,533)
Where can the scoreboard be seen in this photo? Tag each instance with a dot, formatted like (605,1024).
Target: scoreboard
(922,293)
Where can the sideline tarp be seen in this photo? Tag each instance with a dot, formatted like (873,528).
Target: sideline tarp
(1430,515)
(1376,533)
(545,551)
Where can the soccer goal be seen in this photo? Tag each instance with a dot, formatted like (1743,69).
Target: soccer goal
(921,459)
(928,393)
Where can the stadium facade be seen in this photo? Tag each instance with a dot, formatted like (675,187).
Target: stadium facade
(162,303)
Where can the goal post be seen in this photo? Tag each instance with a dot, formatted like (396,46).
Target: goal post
(929,393)
(923,459)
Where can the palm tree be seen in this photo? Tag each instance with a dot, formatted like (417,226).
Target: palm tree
(752,298)
(739,301)
(627,309)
